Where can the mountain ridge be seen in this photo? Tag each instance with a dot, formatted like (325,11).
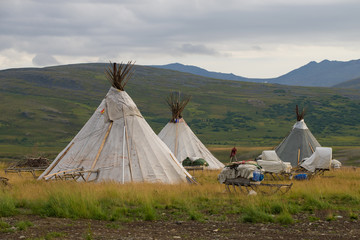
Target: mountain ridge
(315,74)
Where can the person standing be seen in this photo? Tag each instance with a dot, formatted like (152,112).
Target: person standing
(233,154)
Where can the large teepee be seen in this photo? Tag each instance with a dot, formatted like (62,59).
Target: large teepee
(117,144)
(180,139)
(299,144)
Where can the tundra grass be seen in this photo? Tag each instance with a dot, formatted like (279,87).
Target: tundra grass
(207,201)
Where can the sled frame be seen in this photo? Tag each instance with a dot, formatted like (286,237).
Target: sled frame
(245,186)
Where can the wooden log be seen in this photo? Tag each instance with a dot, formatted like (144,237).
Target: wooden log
(186,173)
(127,144)
(311,148)
(57,173)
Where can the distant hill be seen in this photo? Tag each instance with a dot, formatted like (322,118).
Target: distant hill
(43,108)
(205,73)
(353,83)
(323,74)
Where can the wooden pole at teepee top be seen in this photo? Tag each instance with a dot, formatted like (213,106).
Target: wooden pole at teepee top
(100,149)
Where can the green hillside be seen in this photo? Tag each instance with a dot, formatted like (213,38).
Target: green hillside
(42,109)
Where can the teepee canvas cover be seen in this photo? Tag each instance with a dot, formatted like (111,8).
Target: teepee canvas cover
(181,140)
(299,144)
(117,144)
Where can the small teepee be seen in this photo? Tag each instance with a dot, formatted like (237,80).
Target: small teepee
(117,144)
(299,144)
(178,136)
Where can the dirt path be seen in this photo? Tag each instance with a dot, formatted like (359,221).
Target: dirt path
(57,228)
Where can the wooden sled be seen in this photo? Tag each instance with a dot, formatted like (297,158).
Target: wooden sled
(245,186)
(289,176)
(31,170)
(74,174)
(277,176)
(319,172)
(31,165)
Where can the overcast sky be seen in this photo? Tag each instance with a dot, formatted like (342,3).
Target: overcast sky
(250,38)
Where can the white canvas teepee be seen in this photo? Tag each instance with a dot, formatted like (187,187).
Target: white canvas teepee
(117,144)
(181,140)
(299,144)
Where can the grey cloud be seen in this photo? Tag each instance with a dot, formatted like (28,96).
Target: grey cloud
(101,29)
(197,49)
(256,48)
(44,60)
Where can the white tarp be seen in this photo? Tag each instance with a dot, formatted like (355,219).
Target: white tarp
(335,163)
(270,155)
(242,170)
(119,143)
(184,143)
(320,159)
(270,162)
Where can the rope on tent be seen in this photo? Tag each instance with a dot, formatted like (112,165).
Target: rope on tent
(56,163)
(100,149)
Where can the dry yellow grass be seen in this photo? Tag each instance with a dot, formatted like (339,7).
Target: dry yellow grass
(338,190)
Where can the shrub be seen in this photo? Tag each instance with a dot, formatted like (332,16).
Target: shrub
(7,206)
(23,225)
(254,215)
(284,219)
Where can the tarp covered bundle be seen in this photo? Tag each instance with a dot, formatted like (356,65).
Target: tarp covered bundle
(184,143)
(270,162)
(194,161)
(235,170)
(299,144)
(320,159)
(335,163)
(119,143)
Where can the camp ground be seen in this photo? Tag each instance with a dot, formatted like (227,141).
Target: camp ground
(117,144)
(299,144)
(299,154)
(116,175)
(182,141)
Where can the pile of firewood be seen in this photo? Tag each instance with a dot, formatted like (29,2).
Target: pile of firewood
(33,162)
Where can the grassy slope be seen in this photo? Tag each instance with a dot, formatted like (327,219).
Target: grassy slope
(42,109)
(354,83)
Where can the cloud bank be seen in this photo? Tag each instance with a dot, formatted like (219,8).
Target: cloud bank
(262,38)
